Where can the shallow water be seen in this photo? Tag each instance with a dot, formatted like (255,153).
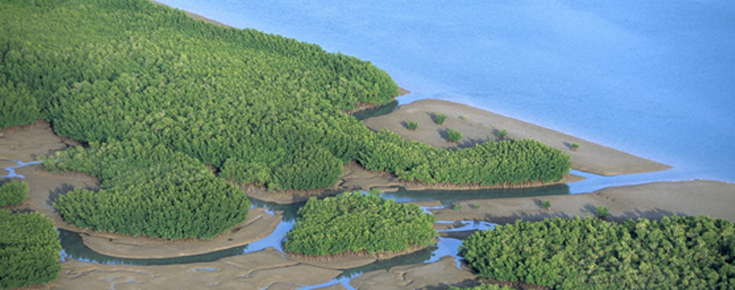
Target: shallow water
(654,79)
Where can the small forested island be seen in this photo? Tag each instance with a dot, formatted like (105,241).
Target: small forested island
(359,224)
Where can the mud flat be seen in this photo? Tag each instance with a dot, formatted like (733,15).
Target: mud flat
(477,126)
(652,200)
(266,269)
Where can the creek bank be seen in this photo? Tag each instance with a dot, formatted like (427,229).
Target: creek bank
(652,200)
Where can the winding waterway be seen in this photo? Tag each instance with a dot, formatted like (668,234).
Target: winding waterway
(651,78)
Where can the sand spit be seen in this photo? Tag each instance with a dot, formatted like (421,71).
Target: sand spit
(652,200)
(478,126)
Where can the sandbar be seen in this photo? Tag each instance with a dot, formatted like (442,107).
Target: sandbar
(652,200)
(478,126)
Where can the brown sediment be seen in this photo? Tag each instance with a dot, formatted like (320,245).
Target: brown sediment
(258,270)
(652,200)
(438,275)
(352,259)
(478,126)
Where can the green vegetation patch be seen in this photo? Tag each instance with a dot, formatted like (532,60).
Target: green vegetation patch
(673,253)
(355,222)
(13,192)
(147,190)
(29,250)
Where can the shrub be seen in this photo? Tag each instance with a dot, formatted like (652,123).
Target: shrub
(440,118)
(29,250)
(474,206)
(602,212)
(454,135)
(457,207)
(13,192)
(574,146)
(546,204)
(502,134)
(463,117)
(412,125)
(355,222)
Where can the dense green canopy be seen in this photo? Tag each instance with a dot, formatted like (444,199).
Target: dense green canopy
(13,192)
(673,253)
(261,108)
(29,249)
(355,222)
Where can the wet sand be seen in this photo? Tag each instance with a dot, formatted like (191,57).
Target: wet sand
(653,201)
(478,126)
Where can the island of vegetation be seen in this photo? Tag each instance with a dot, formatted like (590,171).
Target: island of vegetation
(353,223)
(589,253)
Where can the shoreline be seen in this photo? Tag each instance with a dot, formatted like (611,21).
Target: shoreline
(478,126)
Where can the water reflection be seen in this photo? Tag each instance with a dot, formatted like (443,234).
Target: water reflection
(74,248)
(377,111)
(450,196)
(289,210)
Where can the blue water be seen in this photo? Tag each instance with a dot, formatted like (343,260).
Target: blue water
(653,78)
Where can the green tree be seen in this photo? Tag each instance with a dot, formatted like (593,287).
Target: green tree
(453,135)
(440,118)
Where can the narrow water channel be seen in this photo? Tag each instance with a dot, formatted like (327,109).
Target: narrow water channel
(74,248)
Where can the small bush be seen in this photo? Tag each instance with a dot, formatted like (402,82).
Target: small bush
(574,146)
(454,135)
(546,204)
(502,134)
(474,206)
(463,117)
(13,193)
(457,207)
(440,118)
(412,125)
(602,212)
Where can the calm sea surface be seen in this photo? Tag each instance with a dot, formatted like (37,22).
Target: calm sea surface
(653,78)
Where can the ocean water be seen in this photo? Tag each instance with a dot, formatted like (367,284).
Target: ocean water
(653,78)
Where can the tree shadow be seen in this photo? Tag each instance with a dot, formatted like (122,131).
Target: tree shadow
(434,118)
(443,286)
(54,194)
